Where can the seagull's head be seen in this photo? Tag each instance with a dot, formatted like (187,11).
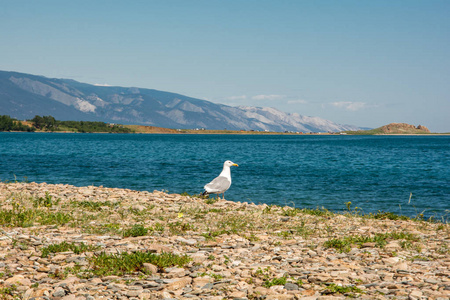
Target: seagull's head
(229,163)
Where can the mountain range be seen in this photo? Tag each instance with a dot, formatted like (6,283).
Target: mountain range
(22,96)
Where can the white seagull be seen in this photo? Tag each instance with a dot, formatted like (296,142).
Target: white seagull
(221,183)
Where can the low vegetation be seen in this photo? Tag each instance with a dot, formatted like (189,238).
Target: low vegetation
(9,124)
(64,246)
(128,263)
(49,123)
(136,230)
(344,244)
(344,290)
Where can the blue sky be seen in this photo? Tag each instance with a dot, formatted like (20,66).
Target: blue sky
(365,63)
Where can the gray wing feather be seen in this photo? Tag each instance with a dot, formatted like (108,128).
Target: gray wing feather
(218,185)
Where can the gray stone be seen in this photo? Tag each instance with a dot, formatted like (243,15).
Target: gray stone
(59,292)
(291,286)
(208,286)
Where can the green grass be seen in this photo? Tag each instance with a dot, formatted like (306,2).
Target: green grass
(136,230)
(25,217)
(380,239)
(179,227)
(51,218)
(275,281)
(292,212)
(382,215)
(211,234)
(64,246)
(320,212)
(345,290)
(211,200)
(234,224)
(128,263)
(92,205)
(302,230)
(217,277)
(46,201)
(108,228)
(6,292)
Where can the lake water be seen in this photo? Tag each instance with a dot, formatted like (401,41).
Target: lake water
(375,173)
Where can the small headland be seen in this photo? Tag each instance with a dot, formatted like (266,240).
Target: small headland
(66,242)
(394,129)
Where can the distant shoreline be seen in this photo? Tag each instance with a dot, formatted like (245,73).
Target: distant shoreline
(50,124)
(217,132)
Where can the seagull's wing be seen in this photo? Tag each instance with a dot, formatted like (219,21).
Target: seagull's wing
(218,185)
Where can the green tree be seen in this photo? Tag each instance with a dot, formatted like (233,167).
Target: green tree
(38,122)
(9,124)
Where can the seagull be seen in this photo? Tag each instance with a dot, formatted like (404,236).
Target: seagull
(221,183)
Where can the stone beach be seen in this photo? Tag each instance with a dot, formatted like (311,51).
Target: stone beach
(237,250)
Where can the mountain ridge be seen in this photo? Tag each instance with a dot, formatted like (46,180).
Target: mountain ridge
(24,95)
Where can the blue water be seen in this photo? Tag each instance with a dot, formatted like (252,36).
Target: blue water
(373,172)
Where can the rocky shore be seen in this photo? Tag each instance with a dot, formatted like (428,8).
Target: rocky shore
(232,250)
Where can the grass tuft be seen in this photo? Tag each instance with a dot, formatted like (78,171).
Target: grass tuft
(128,263)
(380,240)
(275,281)
(64,246)
(345,290)
(136,230)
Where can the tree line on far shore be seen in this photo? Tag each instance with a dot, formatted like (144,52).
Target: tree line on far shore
(9,124)
(49,123)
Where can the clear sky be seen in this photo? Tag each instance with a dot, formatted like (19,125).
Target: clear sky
(365,63)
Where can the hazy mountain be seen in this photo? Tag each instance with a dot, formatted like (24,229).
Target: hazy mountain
(23,96)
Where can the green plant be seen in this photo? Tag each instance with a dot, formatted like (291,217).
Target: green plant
(290,212)
(444,249)
(320,212)
(357,211)
(20,216)
(212,200)
(7,291)
(50,218)
(127,263)
(210,235)
(159,227)
(46,201)
(420,257)
(64,246)
(380,239)
(136,230)
(268,209)
(217,277)
(179,227)
(234,224)
(387,216)
(92,205)
(227,259)
(302,230)
(111,228)
(252,237)
(275,281)
(338,289)
(285,234)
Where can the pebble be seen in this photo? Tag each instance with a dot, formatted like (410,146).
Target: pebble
(237,249)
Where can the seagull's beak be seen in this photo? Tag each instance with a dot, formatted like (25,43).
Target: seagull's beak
(236,165)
